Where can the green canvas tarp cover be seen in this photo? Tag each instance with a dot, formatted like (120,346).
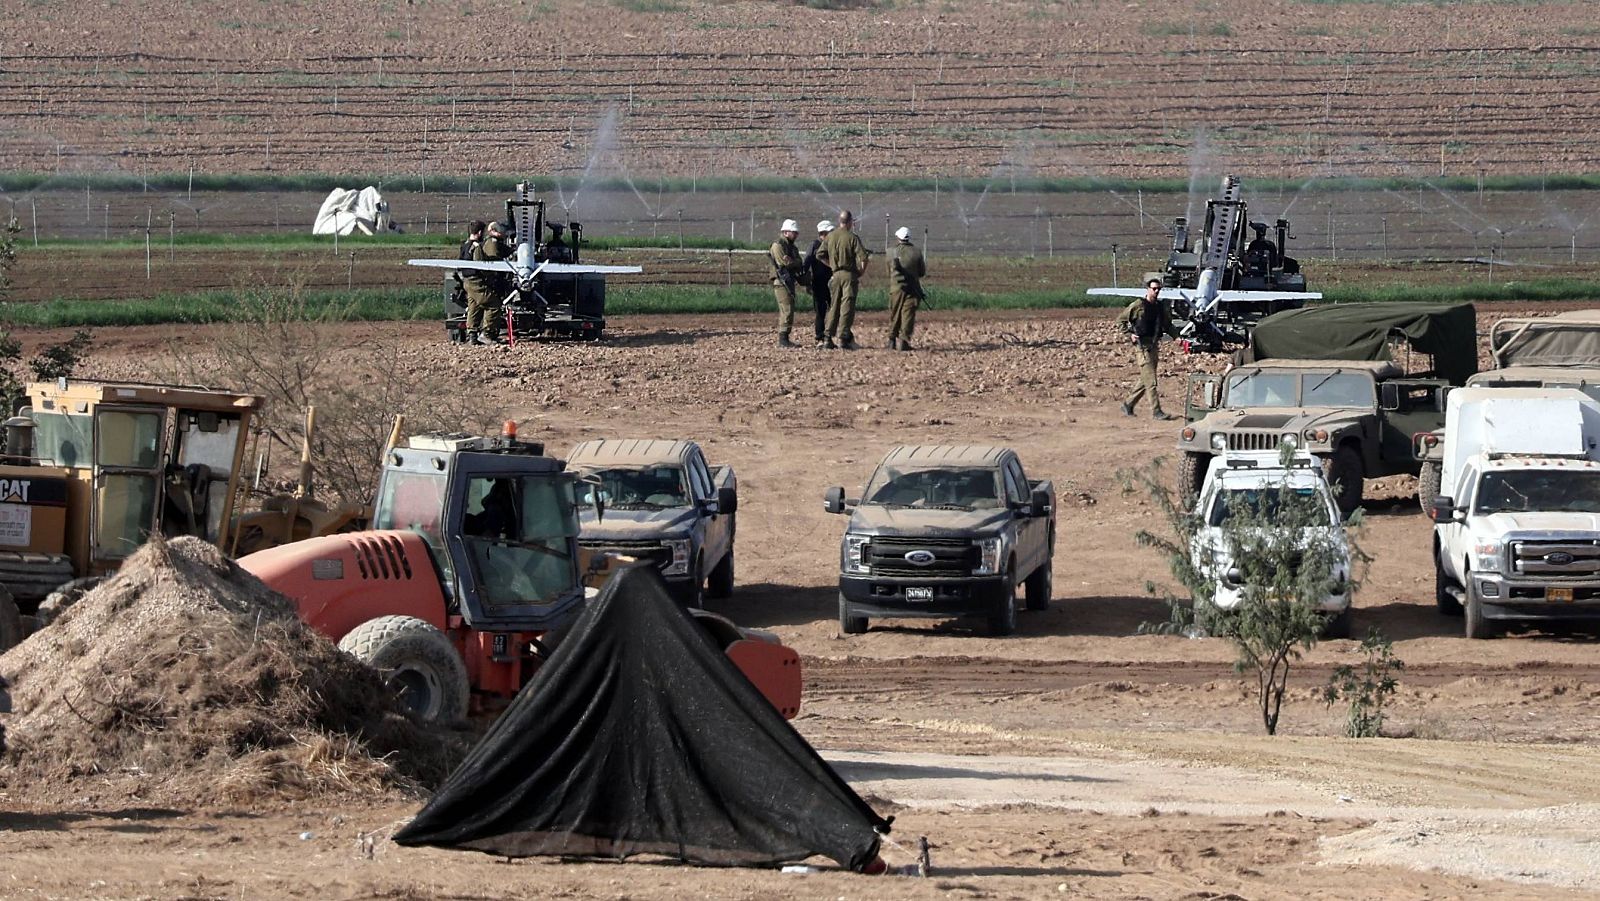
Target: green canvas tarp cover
(1447,332)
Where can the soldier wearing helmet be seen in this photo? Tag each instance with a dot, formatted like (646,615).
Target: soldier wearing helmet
(788,272)
(906,271)
(818,272)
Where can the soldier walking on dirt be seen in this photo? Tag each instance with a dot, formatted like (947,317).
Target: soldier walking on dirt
(848,258)
(788,273)
(818,273)
(1147,319)
(485,290)
(906,271)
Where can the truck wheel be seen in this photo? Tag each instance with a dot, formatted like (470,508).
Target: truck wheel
(1428,485)
(1191,476)
(11,633)
(721,582)
(417,661)
(1038,588)
(849,623)
(1477,626)
(1003,621)
(1344,474)
(1338,625)
(1442,598)
(56,602)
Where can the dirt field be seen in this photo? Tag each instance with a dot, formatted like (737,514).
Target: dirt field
(693,87)
(1075,757)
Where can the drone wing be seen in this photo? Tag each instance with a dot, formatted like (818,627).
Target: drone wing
(509,266)
(1166,293)
(586,268)
(496,266)
(1225,296)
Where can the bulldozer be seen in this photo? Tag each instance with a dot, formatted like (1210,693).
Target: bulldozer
(93,469)
(460,591)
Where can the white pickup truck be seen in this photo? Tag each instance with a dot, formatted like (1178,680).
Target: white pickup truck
(1254,480)
(1516,531)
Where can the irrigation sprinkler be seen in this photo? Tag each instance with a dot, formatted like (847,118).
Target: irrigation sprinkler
(1384,223)
(35,205)
(172,235)
(336,242)
(350,274)
(680,228)
(1114,266)
(191,182)
(885,232)
(1050,236)
(105,225)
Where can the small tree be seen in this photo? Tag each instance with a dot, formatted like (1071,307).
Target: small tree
(53,361)
(297,354)
(1275,547)
(1366,691)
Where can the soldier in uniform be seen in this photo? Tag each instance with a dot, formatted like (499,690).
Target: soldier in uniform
(848,258)
(487,296)
(818,273)
(788,271)
(1261,254)
(906,270)
(1147,319)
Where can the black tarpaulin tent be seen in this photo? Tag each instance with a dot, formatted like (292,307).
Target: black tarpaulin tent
(639,736)
(1361,331)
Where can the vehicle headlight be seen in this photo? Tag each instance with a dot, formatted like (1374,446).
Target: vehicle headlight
(1318,436)
(680,556)
(1219,441)
(1290,438)
(990,552)
(855,554)
(1486,556)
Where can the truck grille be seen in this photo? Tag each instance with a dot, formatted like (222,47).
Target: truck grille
(1556,559)
(1254,441)
(649,551)
(952,557)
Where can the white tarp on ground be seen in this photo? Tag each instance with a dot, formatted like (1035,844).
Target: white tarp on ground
(348,211)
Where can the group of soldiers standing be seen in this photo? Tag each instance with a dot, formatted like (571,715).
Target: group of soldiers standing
(831,271)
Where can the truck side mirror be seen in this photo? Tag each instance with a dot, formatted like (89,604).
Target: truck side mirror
(1389,396)
(833,500)
(1444,509)
(1039,503)
(727,500)
(1440,397)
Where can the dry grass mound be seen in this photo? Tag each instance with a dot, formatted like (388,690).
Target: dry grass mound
(184,680)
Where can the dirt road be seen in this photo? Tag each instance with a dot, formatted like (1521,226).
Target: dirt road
(1078,723)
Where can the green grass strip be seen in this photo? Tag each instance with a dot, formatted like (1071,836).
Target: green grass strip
(381,304)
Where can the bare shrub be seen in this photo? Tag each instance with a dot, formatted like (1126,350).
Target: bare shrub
(298,354)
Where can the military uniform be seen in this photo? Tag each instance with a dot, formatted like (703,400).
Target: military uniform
(848,258)
(485,290)
(819,273)
(1147,323)
(906,271)
(787,272)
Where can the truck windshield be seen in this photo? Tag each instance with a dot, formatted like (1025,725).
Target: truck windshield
(1254,388)
(518,532)
(637,487)
(1266,502)
(928,487)
(1337,389)
(1539,491)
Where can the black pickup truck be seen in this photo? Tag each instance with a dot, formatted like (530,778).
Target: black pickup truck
(944,531)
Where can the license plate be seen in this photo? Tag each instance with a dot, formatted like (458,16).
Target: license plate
(1563,595)
(921,594)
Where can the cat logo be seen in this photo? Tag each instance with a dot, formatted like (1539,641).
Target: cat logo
(15,491)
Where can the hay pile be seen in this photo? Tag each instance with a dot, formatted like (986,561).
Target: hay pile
(183,679)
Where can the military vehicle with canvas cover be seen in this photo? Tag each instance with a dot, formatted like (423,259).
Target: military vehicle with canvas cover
(1330,381)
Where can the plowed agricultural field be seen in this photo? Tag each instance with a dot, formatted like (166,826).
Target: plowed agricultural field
(1291,88)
